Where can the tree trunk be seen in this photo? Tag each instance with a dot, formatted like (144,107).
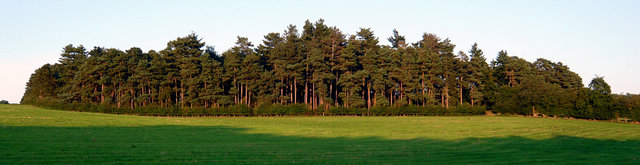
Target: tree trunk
(306,93)
(144,103)
(430,93)
(422,89)
(461,90)
(95,91)
(346,101)
(322,103)
(281,91)
(133,97)
(391,97)
(206,101)
(375,98)
(175,89)
(401,91)
(363,85)
(369,96)
(246,94)
(471,96)
(149,92)
(102,94)
(313,97)
(331,91)
(160,100)
(446,92)
(295,91)
(182,94)
(336,90)
(442,98)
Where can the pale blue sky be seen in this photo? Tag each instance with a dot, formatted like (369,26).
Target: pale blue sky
(591,37)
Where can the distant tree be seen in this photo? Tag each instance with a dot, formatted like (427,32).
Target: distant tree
(599,86)
(4,102)
(557,73)
(600,99)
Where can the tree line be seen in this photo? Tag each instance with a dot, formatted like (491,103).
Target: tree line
(319,70)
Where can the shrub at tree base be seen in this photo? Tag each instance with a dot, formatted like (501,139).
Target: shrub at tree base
(267,110)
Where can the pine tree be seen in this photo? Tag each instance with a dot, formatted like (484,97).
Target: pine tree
(249,77)
(309,48)
(141,78)
(211,78)
(462,72)
(86,79)
(71,59)
(132,83)
(41,85)
(294,57)
(380,77)
(335,42)
(397,40)
(395,76)
(346,66)
(366,53)
(119,75)
(186,50)
(273,62)
(479,72)
(233,65)
(510,69)
(427,58)
(159,89)
(446,69)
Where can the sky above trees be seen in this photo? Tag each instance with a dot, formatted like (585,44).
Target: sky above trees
(593,38)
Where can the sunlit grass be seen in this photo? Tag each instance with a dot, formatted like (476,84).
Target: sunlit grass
(35,135)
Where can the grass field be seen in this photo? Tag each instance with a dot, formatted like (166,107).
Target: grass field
(31,135)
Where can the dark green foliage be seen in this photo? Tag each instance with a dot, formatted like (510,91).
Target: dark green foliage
(4,102)
(628,106)
(282,110)
(412,110)
(320,71)
(346,111)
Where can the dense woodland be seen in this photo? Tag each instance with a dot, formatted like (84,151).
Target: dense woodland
(319,71)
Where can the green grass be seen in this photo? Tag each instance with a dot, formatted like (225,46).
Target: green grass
(31,135)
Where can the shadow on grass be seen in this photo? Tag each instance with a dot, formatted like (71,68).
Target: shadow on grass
(226,145)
